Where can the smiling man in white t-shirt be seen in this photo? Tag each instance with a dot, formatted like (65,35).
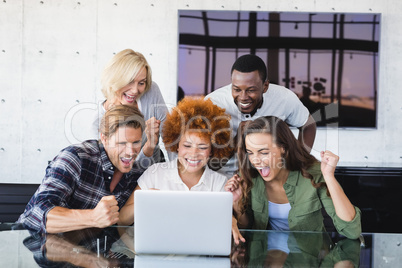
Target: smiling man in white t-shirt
(250,95)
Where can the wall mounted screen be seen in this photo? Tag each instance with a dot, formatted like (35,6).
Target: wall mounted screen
(327,59)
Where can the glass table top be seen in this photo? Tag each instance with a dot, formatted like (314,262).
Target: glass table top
(114,247)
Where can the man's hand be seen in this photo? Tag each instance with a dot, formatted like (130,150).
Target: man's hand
(106,212)
(61,219)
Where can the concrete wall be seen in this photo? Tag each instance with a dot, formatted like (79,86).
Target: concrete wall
(52,53)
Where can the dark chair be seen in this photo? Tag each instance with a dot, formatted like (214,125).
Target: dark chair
(377,191)
(13,199)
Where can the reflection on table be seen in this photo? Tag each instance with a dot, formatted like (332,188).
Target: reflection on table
(84,248)
(295,249)
(114,247)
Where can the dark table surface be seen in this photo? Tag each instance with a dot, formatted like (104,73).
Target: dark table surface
(114,247)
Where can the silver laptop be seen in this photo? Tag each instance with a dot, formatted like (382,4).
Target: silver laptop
(189,223)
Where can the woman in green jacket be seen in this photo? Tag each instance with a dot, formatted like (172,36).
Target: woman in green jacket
(283,187)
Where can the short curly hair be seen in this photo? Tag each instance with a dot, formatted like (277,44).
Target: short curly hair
(203,117)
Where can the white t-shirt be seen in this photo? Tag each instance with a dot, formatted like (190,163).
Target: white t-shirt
(165,177)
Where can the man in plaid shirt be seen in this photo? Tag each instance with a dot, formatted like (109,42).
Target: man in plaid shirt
(86,184)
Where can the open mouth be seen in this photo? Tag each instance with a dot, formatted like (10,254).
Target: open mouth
(126,160)
(129,98)
(193,162)
(245,105)
(264,171)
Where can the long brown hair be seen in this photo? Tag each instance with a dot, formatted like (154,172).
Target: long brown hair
(296,157)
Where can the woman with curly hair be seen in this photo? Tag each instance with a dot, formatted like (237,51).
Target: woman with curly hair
(199,132)
(283,187)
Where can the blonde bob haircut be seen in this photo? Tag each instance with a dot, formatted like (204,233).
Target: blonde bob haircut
(122,70)
(199,116)
(121,116)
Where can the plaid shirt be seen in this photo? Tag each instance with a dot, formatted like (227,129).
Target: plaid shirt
(77,178)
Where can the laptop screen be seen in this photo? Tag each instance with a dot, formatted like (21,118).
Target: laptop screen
(172,222)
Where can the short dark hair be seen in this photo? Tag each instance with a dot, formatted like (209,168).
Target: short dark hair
(249,63)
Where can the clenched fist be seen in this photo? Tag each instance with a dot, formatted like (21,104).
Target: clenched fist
(106,212)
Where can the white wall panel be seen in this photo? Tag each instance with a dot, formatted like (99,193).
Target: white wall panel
(59,48)
(10,90)
(54,51)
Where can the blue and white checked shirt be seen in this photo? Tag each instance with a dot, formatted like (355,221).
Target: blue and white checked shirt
(77,178)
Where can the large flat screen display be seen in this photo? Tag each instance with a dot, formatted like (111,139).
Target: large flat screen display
(329,60)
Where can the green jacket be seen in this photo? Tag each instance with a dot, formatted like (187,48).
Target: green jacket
(306,203)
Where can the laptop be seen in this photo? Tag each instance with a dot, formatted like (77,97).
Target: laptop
(186,223)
